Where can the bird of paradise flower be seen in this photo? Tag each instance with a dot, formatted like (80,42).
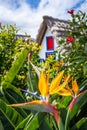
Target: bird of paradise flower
(75,92)
(46,90)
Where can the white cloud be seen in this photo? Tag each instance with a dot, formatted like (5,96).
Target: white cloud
(27,19)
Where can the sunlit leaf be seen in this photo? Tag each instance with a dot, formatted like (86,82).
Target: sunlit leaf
(16,66)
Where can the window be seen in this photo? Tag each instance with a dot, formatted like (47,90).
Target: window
(50,53)
(50,43)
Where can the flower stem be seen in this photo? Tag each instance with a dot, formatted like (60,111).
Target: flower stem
(60,124)
(29,77)
(67,119)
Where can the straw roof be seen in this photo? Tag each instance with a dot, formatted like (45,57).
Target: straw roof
(56,26)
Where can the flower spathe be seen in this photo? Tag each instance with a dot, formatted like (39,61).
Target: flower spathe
(40,106)
(47,107)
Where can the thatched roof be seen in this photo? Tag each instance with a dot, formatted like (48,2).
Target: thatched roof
(56,26)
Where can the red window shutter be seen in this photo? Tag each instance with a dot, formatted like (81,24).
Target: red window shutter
(50,43)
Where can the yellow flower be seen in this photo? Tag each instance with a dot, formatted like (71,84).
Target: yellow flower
(45,90)
(55,85)
(74,91)
(43,84)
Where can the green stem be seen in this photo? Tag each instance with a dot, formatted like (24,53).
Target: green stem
(60,124)
(67,120)
(29,77)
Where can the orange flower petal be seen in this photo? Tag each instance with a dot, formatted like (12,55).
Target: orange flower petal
(64,92)
(60,87)
(55,82)
(43,85)
(75,87)
(26,103)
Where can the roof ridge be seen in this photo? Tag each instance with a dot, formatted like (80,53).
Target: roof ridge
(57,19)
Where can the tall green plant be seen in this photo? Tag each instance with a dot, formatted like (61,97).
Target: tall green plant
(75,46)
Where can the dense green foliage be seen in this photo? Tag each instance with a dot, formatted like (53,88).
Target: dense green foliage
(75,56)
(10,48)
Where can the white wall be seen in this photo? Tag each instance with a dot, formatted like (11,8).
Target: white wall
(43,51)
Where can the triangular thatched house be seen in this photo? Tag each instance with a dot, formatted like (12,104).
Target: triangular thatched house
(51,30)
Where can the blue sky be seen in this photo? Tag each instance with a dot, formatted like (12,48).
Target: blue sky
(33,3)
(28,14)
(79,4)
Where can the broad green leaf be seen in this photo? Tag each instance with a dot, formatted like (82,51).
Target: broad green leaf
(77,107)
(80,124)
(16,65)
(5,122)
(32,81)
(79,104)
(13,95)
(54,123)
(13,98)
(31,122)
(10,114)
(84,84)
(47,123)
(35,123)
(64,101)
(23,124)
(13,91)
(1,126)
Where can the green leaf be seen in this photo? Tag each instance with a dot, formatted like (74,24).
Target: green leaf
(42,106)
(13,91)
(54,124)
(65,101)
(79,104)
(47,123)
(32,122)
(10,114)
(23,124)
(16,66)
(80,124)
(13,95)
(85,69)
(1,126)
(35,123)
(81,101)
